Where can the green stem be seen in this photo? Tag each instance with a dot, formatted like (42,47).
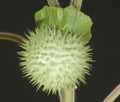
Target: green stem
(11,37)
(76,3)
(113,95)
(53,3)
(67,95)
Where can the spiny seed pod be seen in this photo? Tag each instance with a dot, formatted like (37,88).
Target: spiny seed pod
(55,55)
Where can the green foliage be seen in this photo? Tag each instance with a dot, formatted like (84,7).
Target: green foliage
(66,19)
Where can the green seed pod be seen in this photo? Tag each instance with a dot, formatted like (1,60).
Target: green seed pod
(55,55)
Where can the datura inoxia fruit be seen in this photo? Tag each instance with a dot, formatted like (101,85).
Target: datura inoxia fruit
(55,55)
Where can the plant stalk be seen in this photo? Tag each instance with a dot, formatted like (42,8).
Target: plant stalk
(53,3)
(76,3)
(11,37)
(113,95)
(67,95)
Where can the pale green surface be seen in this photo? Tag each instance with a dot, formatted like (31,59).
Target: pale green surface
(54,59)
(69,19)
(67,95)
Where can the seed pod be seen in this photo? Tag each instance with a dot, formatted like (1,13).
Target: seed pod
(55,55)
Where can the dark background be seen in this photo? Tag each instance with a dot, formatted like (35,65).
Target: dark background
(17,16)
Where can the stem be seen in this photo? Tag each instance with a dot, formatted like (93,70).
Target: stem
(113,95)
(11,37)
(53,3)
(76,3)
(67,95)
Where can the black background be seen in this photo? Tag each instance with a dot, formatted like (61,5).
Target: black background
(17,16)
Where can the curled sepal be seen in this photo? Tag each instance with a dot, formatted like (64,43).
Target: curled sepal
(65,19)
